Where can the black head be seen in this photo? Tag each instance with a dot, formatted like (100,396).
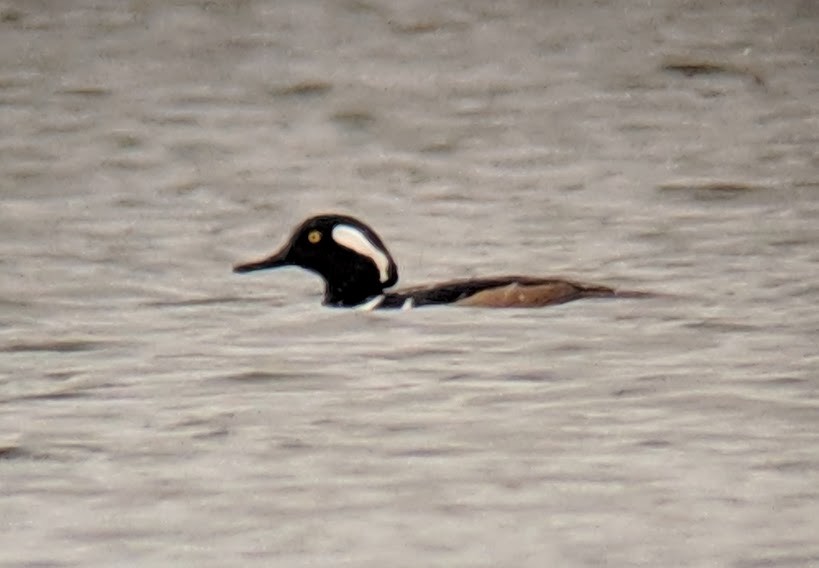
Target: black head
(348,254)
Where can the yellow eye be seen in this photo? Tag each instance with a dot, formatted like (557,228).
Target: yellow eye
(314,236)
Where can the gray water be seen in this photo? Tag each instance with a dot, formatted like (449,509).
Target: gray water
(157,410)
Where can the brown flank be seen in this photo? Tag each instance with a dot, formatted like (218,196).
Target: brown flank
(517,295)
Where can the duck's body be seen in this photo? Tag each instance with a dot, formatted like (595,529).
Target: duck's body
(496,292)
(358,269)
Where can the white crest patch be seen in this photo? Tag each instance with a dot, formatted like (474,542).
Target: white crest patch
(353,239)
(370,305)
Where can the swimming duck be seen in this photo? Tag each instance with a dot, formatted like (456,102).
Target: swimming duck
(358,270)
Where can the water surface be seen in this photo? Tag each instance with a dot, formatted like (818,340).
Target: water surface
(158,410)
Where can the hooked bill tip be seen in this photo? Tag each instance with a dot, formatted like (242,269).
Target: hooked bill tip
(272,262)
(239,268)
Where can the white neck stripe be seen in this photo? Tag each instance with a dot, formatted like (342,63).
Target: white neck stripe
(353,239)
(370,305)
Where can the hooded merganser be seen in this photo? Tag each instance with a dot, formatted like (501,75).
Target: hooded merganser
(357,269)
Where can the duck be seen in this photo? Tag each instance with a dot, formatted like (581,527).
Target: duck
(359,272)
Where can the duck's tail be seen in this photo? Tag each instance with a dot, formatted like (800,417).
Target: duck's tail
(594,291)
